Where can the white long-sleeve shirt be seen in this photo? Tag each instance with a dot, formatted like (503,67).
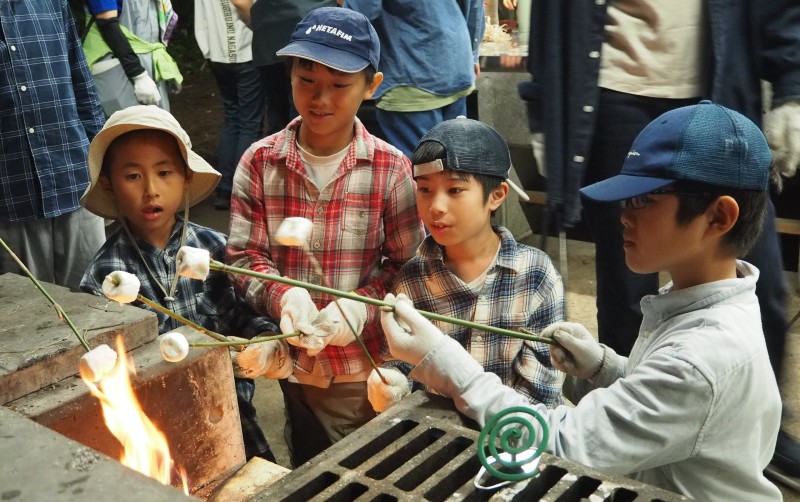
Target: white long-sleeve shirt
(695,409)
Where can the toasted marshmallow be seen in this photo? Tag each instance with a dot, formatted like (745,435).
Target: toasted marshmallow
(97,362)
(120,286)
(193,263)
(294,232)
(174,346)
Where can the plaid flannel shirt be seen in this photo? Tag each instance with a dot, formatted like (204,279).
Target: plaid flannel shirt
(49,110)
(365,228)
(522,290)
(212,303)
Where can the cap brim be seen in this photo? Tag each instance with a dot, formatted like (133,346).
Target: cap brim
(99,201)
(623,186)
(328,56)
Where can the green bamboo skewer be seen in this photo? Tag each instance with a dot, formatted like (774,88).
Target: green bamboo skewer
(257,339)
(212,334)
(216,265)
(59,310)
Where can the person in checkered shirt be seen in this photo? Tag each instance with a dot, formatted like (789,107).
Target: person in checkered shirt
(358,192)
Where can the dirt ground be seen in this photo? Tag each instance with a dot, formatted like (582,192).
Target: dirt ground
(199,109)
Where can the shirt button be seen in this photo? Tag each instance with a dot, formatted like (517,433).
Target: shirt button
(13,48)
(30,130)
(317,245)
(478,338)
(588,109)
(600,2)
(319,210)
(23,88)
(594,54)
(646,333)
(578,158)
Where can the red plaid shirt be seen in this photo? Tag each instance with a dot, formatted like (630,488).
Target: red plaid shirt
(365,228)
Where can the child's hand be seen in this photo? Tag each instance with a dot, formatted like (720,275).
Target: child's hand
(577,352)
(333,327)
(383,396)
(410,335)
(268,359)
(298,312)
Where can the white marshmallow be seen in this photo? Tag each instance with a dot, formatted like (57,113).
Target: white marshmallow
(120,286)
(174,346)
(193,263)
(97,362)
(294,231)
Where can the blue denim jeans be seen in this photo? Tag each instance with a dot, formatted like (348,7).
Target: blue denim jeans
(243,101)
(403,130)
(620,119)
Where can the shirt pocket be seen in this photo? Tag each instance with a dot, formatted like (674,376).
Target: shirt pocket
(360,214)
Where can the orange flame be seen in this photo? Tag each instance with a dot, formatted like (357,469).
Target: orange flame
(145,446)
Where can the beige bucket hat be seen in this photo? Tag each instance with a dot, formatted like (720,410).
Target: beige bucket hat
(133,118)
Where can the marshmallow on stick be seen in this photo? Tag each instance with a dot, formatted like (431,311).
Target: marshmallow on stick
(120,286)
(97,362)
(294,232)
(174,346)
(193,262)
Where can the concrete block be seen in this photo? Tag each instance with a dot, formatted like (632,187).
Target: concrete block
(38,349)
(42,465)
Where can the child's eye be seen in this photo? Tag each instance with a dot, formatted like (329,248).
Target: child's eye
(423,189)
(341,86)
(132,176)
(164,173)
(456,190)
(305,80)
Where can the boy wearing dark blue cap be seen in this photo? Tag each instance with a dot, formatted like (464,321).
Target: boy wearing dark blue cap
(359,195)
(469,269)
(696,408)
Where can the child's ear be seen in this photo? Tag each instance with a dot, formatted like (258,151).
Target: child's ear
(371,88)
(188,176)
(105,183)
(497,196)
(723,214)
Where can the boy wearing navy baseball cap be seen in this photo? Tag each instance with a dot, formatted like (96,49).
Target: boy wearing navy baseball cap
(359,194)
(696,408)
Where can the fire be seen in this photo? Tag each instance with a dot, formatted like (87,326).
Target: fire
(145,446)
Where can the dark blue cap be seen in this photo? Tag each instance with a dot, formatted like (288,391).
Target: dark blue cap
(706,142)
(340,38)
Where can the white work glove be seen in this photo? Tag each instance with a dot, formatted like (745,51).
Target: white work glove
(333,328)
(268,359)
(782,129)
(410,336)
(298,313)
(577,353)
(383,396)
(146,89)
(537,143)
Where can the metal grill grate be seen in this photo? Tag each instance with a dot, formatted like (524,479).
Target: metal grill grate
(423,450)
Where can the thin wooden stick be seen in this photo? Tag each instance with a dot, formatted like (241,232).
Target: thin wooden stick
(233,343)
(216,265)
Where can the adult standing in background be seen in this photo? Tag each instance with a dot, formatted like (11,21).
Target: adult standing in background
(50,113)
(125,46)
(226,42)
(273,22)
(429,59)
(603,70)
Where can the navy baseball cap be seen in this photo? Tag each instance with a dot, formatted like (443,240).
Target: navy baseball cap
(472,147)
(706,143)
(340,38)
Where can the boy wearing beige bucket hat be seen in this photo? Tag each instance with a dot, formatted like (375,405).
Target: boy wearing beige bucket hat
(143,171)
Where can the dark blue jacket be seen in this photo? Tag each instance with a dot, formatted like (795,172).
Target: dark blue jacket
(751,40)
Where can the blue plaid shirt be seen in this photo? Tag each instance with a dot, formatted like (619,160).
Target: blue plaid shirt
(522,290)
(49,110)
(211,303)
